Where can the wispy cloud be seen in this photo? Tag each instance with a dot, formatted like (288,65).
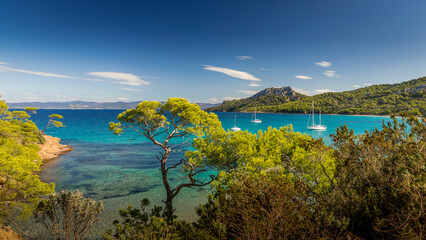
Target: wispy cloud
(94,79)
(121,78)
(244,58)
(216,100)
(213,99)
(247,92)
(319,91)
(302,77)
(132,89)
(4,63)
(43,74)
(253,85)
(356,86)
(230,98)
(323,64)
(232,73)
(122,99)
(368,84)
(331,74)
(264,69)
(302,91)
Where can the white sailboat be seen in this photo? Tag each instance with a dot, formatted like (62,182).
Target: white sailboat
(314,126)
(235,128)
(255,120)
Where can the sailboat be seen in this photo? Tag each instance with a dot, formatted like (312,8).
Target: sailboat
(235,128)
(314,126)
(255,120)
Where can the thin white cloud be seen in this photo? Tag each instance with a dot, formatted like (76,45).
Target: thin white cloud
(121,78)
(331,74)
(244,58)
(323,64)
(302,77)
(132,89)
(247,92)
(302,91)
(368,84)
(4,63)
(212,99)
(319,91)
(94,79)
(232,73)
(356,86)
(43,74)
(264,69)
(229,98)
(122,99)
(253,85)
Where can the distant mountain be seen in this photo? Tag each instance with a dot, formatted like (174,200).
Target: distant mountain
(86,105)
(267,97)
(384,99)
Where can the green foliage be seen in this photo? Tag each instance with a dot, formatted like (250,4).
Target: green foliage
(68,215)
(296,154)
(269,206)
(379,182)
(385,99)
(141,224)
(31,110)
(20,187)
(53,122)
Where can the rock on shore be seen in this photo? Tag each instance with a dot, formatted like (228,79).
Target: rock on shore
(52,148)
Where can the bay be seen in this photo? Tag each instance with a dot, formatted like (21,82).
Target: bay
(121,170)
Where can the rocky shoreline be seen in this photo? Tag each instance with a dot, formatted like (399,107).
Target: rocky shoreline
(52,148)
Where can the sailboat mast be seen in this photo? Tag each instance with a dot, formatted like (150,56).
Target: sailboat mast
(235,121)
(313,114)
(320,116)
(255,113)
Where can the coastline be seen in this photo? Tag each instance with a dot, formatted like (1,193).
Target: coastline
(361,115)
(52,148)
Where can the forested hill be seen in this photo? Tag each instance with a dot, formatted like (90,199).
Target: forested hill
(267,97)
(384,99)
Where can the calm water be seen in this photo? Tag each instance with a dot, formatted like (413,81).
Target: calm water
(120,171)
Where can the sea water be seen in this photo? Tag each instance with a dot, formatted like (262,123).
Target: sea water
(121,170)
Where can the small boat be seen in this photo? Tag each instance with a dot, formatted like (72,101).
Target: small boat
(317,127)
(255,120)
(235,128)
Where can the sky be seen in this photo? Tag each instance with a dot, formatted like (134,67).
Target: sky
(204,50)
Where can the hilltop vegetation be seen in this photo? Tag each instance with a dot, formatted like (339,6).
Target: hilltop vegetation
(267,97)
(383,99)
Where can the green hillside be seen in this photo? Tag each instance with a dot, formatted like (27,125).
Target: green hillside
(267,97)
(384,99)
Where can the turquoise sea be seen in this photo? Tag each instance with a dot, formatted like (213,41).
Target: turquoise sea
(120,171)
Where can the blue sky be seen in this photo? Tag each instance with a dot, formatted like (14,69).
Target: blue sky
(204,50)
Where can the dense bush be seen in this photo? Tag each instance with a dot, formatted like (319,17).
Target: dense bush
(379,182)
(68,215)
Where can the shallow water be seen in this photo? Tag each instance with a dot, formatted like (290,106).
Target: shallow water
(120,171)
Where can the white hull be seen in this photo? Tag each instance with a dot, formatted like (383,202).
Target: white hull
(318,127)
(235,129)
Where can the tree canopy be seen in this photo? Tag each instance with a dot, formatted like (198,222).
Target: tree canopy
(20,188)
